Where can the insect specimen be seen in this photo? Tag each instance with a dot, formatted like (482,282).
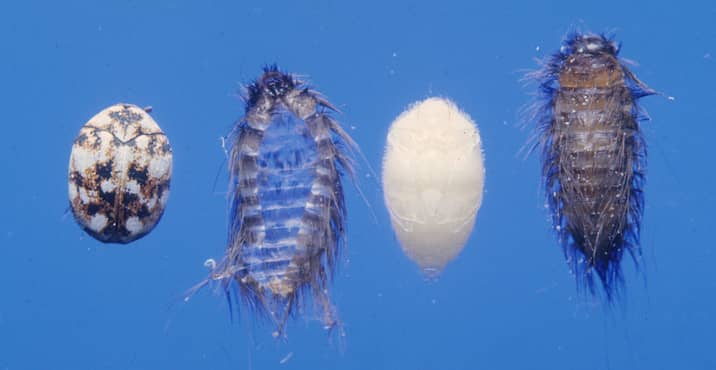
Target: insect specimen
(593,156)
(433,177)
(119,173)
(287,209)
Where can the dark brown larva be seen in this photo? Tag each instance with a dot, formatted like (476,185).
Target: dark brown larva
(119,173)
(594,156)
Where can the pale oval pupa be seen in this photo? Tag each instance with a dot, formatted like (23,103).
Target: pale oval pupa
(433,178)
(119,173)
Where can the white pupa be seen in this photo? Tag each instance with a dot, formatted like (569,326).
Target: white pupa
(433,177)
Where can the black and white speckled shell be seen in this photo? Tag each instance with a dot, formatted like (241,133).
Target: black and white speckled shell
(120,168)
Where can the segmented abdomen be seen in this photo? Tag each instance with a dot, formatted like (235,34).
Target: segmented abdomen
(594,143)
(285,174)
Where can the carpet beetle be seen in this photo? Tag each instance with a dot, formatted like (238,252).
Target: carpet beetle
(119,173)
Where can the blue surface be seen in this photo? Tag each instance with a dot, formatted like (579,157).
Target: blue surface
(508,302)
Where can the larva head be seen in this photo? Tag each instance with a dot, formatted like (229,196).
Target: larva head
(589,44)
(275,83)
(272,85)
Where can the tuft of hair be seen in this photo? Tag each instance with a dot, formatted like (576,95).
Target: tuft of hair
(273,82)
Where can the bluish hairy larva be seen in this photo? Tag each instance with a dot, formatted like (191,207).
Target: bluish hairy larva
(287,212)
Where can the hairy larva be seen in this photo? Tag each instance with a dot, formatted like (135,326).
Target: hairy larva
(287,209)
(593,156)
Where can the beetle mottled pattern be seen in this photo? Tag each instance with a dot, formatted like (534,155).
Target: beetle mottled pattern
(287,210)
(593,156)
(119,173)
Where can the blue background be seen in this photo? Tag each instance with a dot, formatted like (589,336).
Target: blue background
(507,302)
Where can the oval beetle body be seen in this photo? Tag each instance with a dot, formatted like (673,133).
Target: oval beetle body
(119,173)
